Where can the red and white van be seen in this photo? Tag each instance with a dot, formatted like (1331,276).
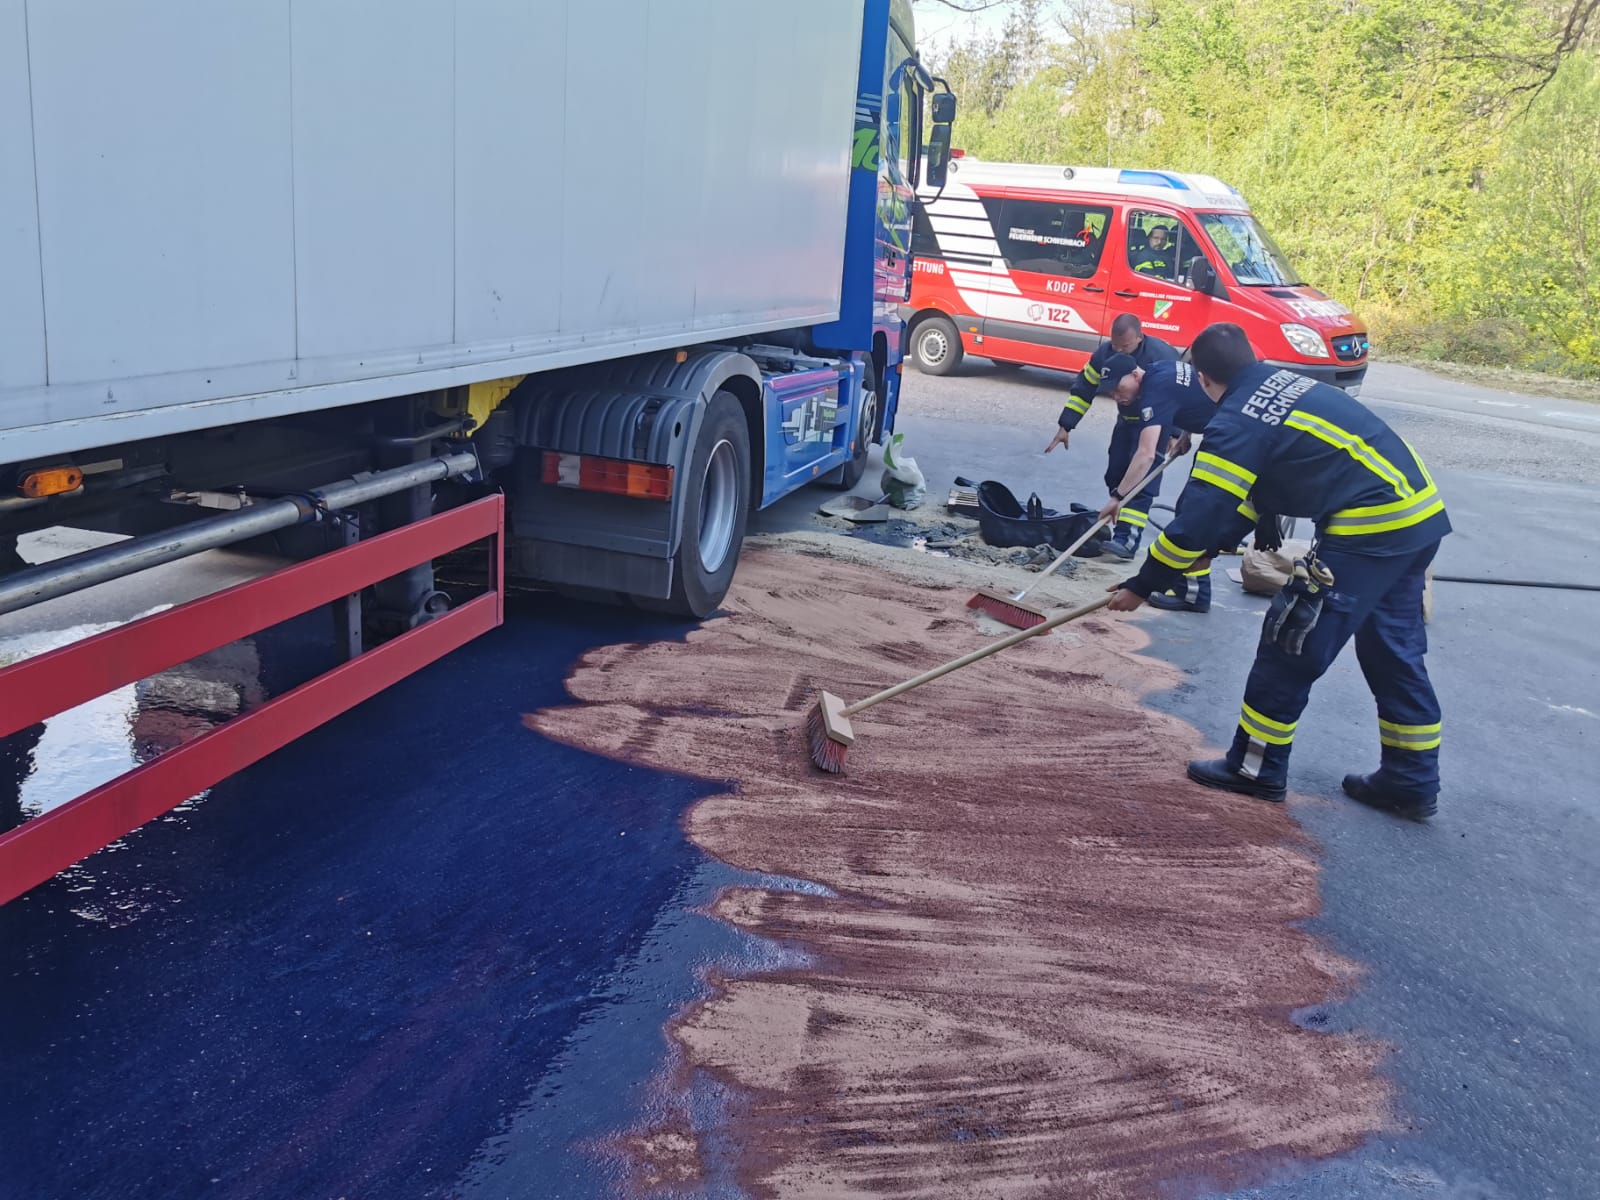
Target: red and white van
(1030,265)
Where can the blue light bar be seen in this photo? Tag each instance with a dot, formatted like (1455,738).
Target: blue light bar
(1151,179)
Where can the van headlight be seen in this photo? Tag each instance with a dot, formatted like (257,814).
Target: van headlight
(1305,340)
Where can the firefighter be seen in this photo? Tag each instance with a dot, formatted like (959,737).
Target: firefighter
(1282,443)
(1156,257)
(1127,338)
(1168,393)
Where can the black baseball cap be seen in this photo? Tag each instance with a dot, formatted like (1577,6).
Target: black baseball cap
(1111,374)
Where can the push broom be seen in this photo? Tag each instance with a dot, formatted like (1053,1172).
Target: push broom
(828,728)
(1010,609)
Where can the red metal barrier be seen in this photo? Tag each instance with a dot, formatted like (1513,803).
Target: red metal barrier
(41,687)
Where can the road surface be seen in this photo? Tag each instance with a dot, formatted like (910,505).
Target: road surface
(425,952)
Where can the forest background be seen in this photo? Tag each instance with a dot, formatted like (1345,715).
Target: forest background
(1434,164)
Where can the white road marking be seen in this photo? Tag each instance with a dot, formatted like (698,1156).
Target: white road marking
(1503,403)
(1574,709)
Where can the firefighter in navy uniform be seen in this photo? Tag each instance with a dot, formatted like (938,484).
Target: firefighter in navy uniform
(1127,339)
(1172,392)
(1156,257)
(1283,444)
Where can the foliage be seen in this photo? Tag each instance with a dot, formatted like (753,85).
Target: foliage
(1433,162)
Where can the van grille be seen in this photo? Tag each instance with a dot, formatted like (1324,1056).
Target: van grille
(1352,347)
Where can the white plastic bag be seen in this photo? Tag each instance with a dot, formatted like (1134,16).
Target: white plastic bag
(903,483)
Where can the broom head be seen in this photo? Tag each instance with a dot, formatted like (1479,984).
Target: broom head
(829,733)
(1018,614)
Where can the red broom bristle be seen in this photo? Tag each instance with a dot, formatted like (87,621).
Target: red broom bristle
(828,754)
(1006,614)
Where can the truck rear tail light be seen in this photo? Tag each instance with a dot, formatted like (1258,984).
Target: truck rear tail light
(591,474)
(51,481)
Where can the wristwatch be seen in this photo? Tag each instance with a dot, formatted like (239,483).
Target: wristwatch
(1116,495)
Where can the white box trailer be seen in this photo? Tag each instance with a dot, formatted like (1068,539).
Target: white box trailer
(249,247)
(214,213)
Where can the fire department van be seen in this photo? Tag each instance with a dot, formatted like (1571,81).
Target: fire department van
(1030,265)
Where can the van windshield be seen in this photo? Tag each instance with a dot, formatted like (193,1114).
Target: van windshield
(1251,255)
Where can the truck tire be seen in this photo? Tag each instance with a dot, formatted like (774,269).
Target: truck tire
(846,477)
(936,346)
(716,508)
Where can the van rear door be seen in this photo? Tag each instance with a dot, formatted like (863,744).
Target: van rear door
(1050,308)
(1150,276)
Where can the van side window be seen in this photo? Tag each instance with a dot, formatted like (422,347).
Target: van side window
(1158,245)
(1049,238)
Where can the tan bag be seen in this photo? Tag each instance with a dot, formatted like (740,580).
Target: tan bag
(1264,572)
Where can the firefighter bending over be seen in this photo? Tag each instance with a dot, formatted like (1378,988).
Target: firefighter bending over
(1127,338)
(1283,444)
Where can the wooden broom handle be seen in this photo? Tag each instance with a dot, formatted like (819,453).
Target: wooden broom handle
(956,664)
(1166,461)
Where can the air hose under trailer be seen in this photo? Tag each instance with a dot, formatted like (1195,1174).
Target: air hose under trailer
(78,571)
(1553,584)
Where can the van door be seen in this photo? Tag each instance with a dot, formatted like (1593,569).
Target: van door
(1051,312)
(1151,278)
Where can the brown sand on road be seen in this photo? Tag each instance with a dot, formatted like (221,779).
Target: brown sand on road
(1053,967)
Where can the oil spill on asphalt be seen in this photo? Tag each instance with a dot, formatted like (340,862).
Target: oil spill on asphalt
(420,953)
(1045,964)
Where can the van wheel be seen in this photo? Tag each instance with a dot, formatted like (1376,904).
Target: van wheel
(846,477)
(936,347)
(716,508)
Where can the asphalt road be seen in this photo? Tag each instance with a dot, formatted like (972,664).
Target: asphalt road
(1480,931)
(424,952)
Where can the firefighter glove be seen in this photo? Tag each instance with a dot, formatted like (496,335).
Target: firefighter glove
(1296,608)
(1269,534)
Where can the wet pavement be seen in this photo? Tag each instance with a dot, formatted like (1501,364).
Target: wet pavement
(423,952)
(426,952)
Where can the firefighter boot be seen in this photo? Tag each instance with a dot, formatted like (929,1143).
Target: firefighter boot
(1124,541)
(1373,791)
(1195,596)
(1216,773)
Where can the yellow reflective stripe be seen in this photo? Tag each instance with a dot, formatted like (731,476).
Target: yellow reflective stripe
(1078,404)
(1199,572)
(1248,511)
(1230,486)
(1392,506)
(1382,518)
(1092,373)
(1409,737)
(1242,474)
(1260,734)
(1266,721)
(1171,554)
(1391,727)
(1135,518)
(1355,447)
(1425,741)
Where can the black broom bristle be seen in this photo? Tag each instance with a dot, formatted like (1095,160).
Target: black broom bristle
(828,754)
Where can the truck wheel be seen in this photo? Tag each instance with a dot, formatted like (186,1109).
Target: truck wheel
(936,348)
(846,477)
(716,506)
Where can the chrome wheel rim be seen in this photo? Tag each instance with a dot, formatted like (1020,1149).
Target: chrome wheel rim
(719,505)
